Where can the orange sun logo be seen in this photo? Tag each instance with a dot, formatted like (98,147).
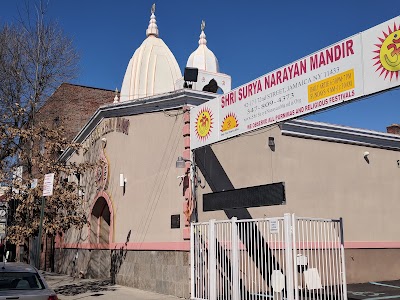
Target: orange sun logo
(388,58)
(230,122)
(204,123)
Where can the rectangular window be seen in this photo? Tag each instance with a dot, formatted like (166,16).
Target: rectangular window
(20,281)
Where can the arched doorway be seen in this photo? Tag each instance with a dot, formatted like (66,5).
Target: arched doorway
(100,222)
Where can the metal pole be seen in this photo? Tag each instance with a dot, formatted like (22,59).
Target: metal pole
(235,259)
(40,233)
(294,259)
(192,266)
(5,234)
(288,256)
(344,282)
(212,261)
(193,185)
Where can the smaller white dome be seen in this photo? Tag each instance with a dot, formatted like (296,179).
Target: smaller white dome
(203,58)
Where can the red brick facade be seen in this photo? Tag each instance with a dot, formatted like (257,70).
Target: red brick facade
(74,104)
(70,106)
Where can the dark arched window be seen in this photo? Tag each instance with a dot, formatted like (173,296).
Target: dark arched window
(100,220)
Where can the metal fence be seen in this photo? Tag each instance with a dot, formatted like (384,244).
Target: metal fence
(275,258)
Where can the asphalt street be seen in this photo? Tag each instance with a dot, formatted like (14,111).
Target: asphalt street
(374,290)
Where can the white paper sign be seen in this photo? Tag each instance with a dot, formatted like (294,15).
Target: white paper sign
(273,226)
(48,184)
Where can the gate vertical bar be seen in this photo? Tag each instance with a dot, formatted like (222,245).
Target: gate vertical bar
(288,256)
(192,267)
(235,260)
(294,246)
(344,282)
(212,267)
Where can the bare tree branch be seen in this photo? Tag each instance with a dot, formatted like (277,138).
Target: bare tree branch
(36,57)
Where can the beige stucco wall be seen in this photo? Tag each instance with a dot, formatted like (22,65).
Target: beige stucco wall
(322,179)
(146,157)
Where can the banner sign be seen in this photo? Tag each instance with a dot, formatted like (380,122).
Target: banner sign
(363,64)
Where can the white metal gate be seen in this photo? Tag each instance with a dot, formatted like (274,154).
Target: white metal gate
(278,258)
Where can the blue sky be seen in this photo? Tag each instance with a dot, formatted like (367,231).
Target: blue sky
(250,38)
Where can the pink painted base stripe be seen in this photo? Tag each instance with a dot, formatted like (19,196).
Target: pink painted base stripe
(371,245)
(185,246)
(177,246)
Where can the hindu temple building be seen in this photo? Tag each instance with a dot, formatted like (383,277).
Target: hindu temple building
(140,205)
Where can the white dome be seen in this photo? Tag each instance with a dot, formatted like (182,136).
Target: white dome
(203,58)
(152,69)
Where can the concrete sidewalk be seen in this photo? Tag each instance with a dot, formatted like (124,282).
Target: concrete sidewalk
(68,287)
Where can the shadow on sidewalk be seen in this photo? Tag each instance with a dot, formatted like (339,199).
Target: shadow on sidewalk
(85,287)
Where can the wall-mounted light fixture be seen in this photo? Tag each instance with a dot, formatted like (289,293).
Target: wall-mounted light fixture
(104,142)
(122,182)
(366,156)
(271,143)
(181,162)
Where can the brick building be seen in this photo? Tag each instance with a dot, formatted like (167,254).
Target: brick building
(70,106)
(74,105)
